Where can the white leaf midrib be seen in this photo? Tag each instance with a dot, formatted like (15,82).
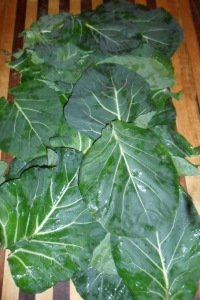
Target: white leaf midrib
(54,205)
(129,172)
(28,121)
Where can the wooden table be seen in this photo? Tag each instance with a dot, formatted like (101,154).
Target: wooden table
(15,15)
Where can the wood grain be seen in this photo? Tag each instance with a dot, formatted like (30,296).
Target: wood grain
(188,115)
(6,42)
(75,6)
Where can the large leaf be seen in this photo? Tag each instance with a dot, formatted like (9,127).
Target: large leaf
(49,29)
(155,27)
(164,264)
(100,280)
(69,61)
(128,180)
(109,36)
(151,65)
(106,93)
(27,124)
(45,223)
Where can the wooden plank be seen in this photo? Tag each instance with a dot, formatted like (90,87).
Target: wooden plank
(47,295)
(61,291)
(151,3)
(2,260)
(10,291)
(95,3)
(143,2)
(192,43)
(42,7)
(8,14)
(73,293)
(64,5)
(25,296)
(31,12)
(75,6)
(86,5)
(53,7)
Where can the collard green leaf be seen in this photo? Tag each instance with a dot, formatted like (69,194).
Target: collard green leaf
(71,138)
(45,223)
(17,166)
(163,111)
(154,27)
(103,94)
(156,70)
(109,36)
(49,29)
(27,124)
(175,142)
(3,168)
(66,61)
(179,148)
(100,280)
(164,264)
(128,180)
(31,67)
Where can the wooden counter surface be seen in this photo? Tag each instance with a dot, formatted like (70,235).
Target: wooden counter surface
(15,15)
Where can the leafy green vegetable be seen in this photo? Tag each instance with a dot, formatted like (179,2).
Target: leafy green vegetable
(164,264)
(44,224)
(93,193)
(113,93)
(179,148)
(101,281)
(27,124)
(118,177)
(151,65)
(71,138)
(137,25)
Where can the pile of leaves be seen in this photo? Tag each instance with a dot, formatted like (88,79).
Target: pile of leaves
(93,191)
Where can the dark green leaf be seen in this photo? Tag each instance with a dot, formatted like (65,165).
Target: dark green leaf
(109,36)
(44,222)
(179,148)
(175,142)
(67,62)
(27,124)
(49,29)
(17,166)
(106,93)
(128,180)
(100,280)
(154,27)
(164,264)
(153,67)
(163,111)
